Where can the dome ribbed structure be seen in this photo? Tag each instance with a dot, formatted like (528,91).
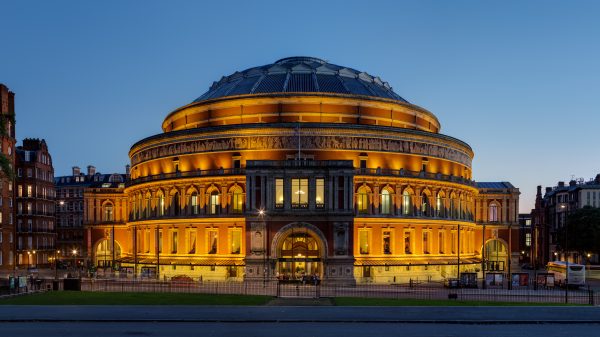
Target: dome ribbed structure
(301,75)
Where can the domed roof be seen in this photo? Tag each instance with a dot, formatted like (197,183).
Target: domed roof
(300,74)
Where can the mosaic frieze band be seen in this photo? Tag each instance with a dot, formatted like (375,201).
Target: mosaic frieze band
(309,143)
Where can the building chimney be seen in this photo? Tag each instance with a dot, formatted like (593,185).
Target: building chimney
(548,189)
(597,179)
(561,184)
(572,183)
(91,170)
(127,169)
(76,171)
(539,190)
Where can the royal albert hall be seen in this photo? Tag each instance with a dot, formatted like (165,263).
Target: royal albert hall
(301,167)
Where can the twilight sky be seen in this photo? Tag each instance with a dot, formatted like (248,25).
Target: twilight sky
(517,80)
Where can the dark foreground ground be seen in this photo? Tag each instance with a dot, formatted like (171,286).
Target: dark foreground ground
(180,321)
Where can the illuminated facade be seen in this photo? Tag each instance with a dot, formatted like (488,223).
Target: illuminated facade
(301,167)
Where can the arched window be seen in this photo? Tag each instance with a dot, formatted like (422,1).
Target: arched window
(439,205)
(194,203)
(452,206)
(148,206)
(214,202)
(386,202)
(406,203)
(493,212)
(161,205)
(362,200)
(175,205)
(237,201)
(108,212)
(424,204)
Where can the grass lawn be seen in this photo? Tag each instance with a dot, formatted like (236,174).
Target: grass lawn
(355,301)
(108,298)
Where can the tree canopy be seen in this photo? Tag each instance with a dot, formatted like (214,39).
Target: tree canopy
(582,231)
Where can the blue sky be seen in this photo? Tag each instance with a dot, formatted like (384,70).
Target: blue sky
(517,80)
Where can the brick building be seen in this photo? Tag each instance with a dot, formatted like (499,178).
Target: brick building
(36,231)
(7,143)
(70,209)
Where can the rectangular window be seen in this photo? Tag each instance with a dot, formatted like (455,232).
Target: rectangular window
(363,241)
(29,191)
(528,239)
(212,241)
(147,241)
(192,241)
(236,241)
(425,242)
(320,195)
(299,193)
(387,242)
(453,242)
(20,191)
(407,243)
(174,242)
(279,193)
(160,240)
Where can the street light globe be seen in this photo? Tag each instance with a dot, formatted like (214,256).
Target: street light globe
(589,255)
(74,252)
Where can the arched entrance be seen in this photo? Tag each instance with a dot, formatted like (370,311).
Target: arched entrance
(496,255)
(104,254)
(299,253)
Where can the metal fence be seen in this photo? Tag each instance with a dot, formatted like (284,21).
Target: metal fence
(383,291)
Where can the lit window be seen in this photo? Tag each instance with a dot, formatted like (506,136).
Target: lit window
(160,240)
(279,193)
(385,202)
(363,241)
(161,205)
(362,200)
(387,242)
(407,243)
(299,193)
(236,241)
(108,212)
(441,242)
(320,195)
(406,203)
(528,239)
(174,242)
(425,242)
(192,242)
(213,203)
(194,202)
(237,201)
(212,242)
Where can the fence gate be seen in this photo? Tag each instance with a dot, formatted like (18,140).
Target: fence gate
(297,290)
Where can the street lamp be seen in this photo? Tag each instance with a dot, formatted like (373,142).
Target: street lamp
(74,252)
(55,264)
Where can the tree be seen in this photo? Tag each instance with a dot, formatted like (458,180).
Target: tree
(582,231)
(5,164)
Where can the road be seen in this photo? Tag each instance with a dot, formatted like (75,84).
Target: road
(346,329)
(287,321)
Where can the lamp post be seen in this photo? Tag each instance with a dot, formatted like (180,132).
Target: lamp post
(55,264)
(74,252)
(261,215)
